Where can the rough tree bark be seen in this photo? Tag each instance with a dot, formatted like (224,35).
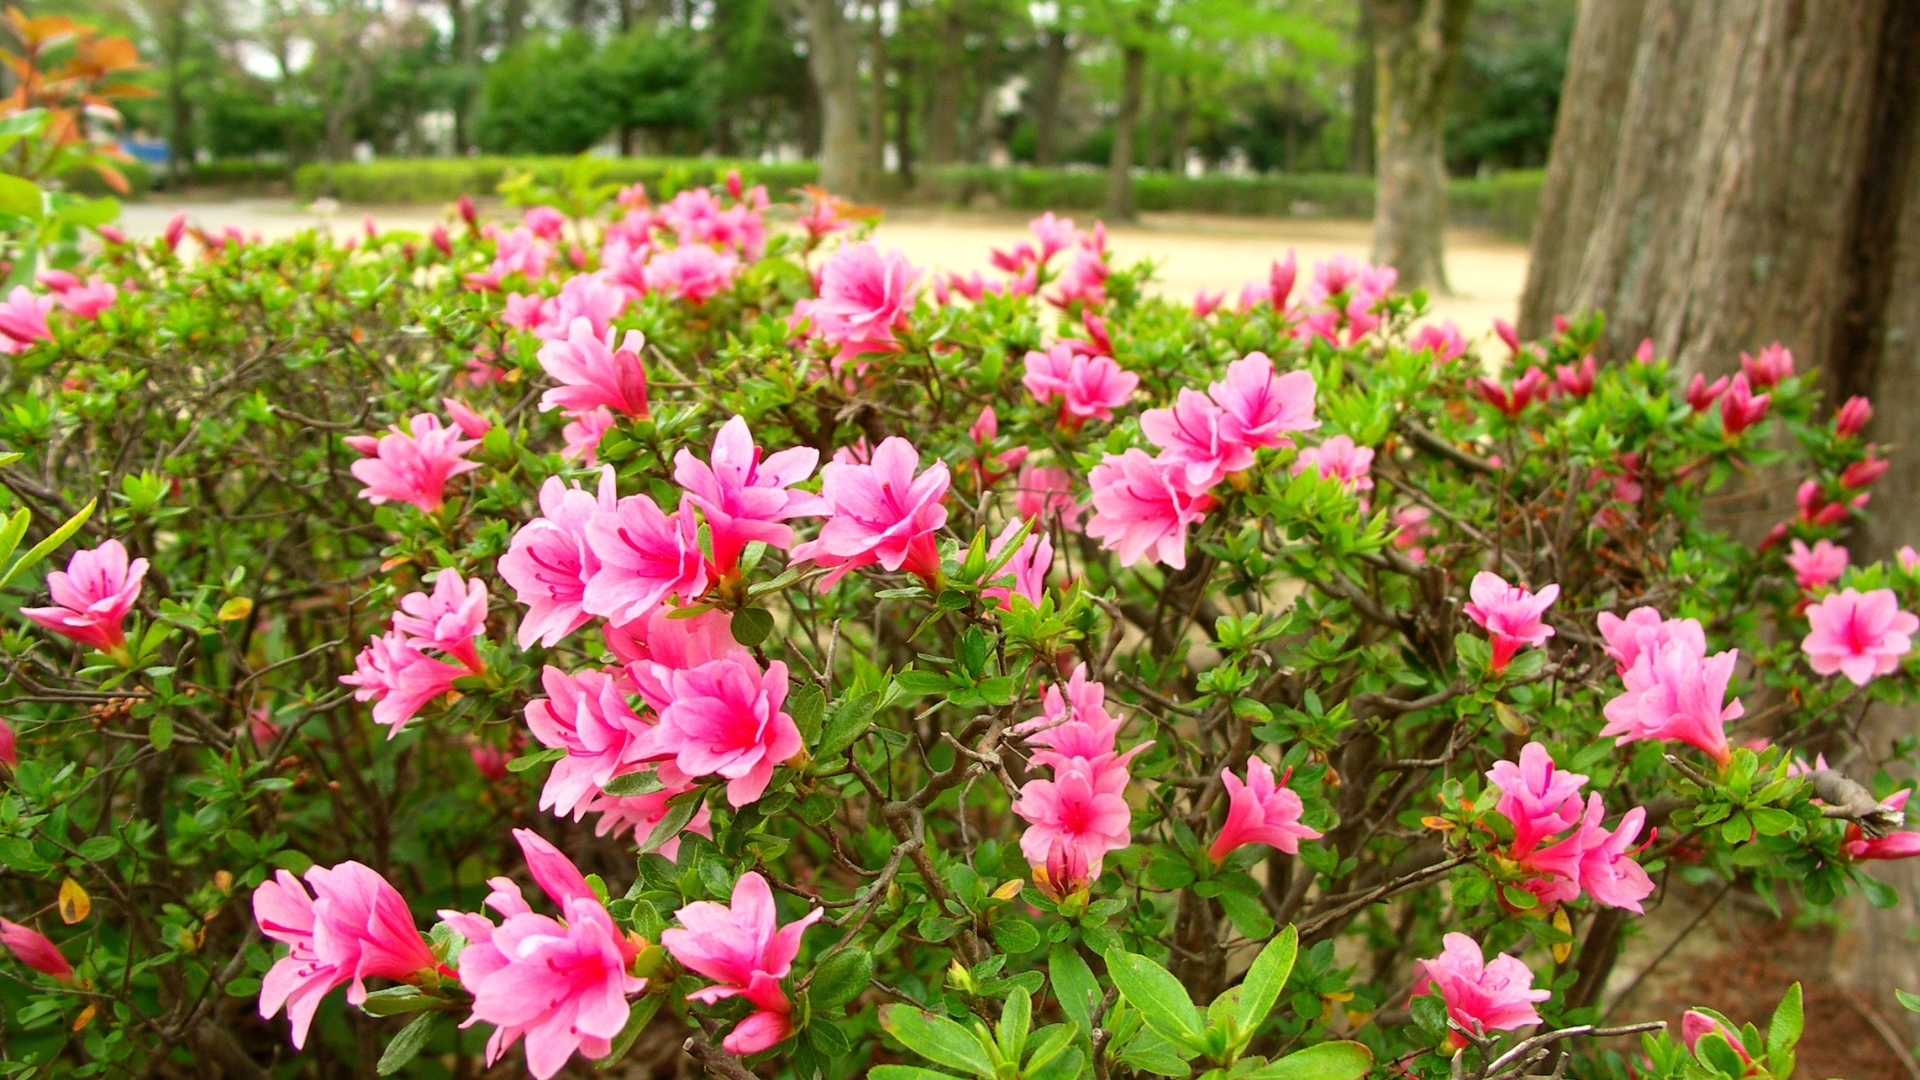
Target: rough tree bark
(1054,54)
(1415,42)
(876,144)
(1133,74)
(833,61)
(945,89)
(1360,132)
(1726,173)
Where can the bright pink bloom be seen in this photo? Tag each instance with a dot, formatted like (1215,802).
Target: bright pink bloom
(1280,278)
(449,619)
(1339,459)
(1507,334)
(1073,725)
(1206,303)
(544,221)
(1509,614)
(56,281)
(1055,234)
(9,749)
(413,466)
(742,948)
(1644,632)
(1863,473)
(582,296)
(1084,281)
(354,925)
(1142,506)
(1191,439)
(1860,635)
(1260,811)
(1083,807)
(1530,387)
(880,513)
(1443,339)
(1908,558)
(638,814)
(1701,394)
(691,272)
(591,372)
(1089,387)
(646,556)
(1678,694)
(34,949)
(562,983)
(743,498)
(587,716)
(725,719)
(1028,565)
(23,319)
(583,433)
(1013,261)
(1899,845)
(1694,1024)
(666,639)
(1607,872)
(550,561)
(823,216)
(1480,995)
(1774,364)
(1262,408)
(399,679)
(1043,491)
(92,596)
(89,300)
(1820,565)
(1644,354)
(1536,796)
(1853,416)
(864,297)
(471,424)
(1576,381)
(1740,408)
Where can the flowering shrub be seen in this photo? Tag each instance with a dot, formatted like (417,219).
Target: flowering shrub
(1025,677)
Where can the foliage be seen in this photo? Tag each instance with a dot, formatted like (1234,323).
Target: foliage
(1300,653)
(440,180)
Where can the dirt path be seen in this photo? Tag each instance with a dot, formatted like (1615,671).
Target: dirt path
(1195,252)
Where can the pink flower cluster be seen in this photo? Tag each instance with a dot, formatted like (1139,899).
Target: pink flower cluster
(1144,503)
(1079,814)
(865,298)
(432,643)
(743,949)
(411,464)
(92,596)
(1338,301)
(1260,810)
(23,320)
(1481,995)
(1859,635)
(1540,801)
(1510,615)
(1674,691)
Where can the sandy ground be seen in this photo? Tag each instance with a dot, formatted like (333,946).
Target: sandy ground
(1195,252)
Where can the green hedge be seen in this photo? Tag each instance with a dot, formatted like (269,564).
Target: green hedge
(430,180)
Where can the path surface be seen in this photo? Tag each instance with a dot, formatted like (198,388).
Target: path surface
(1195,252)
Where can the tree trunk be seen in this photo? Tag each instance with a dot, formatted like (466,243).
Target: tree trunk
(513,19)
(944,95)
(1360,132)
(1182,136)
(179,109)
(833,61)
(1120,166)
(1414,43)
(876,145)
(1726,173)
(1054,55)
(902,125)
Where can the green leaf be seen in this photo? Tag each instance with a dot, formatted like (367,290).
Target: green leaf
(1053,1041)
(1162,1001)
(807,706)
(19,197)
(680,810)
(828,1039)
(644,782)
(1266,978)
(1712,1050)
(637,1018)
(1075,987)
(1771,822)
(850,720)
(95,848)
(1783,1031)
(1148,1052)
(906,1072)
(395,1000)
(1016,1019)
(90,212)
(1327,1061)
(160,732)
(46,547)
(1248,915)
(751,626)
(840,978)
(936,1038)
(1015,935)
(407,1044)
(1909,1002)
(15,529)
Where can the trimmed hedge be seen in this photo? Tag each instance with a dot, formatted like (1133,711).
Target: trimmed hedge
(430,180)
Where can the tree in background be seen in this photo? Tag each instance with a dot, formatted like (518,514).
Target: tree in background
(1415,42)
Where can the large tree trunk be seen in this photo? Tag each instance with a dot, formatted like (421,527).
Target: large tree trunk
(1054,55)
(1133,74)
(876,144)
(1726,173)
(1360,130)
(946,90)
(1415,42)
(833,61)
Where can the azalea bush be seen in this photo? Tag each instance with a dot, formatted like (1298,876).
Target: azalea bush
(638,629)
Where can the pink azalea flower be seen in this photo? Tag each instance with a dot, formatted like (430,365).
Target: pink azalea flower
(34,949)
(1510,615)
(1339,459)
(1443,339)
(743,498)
(1863,473)
(1774,364)
(1196,438)
(1480,995)
(413,466)
(471,424)
(1028,565)
(1142,506)
(583,433)
(1644,353)
(1740,408)
(1083,807)
(592,373)
(89,300)
(92,596)
(582,296)
(1530,387)
(23,319)
(1260,811)
(1908,558)
(1073,725)
(9,749)
(587,716)
(1046,373)
(1899,845)
(1576,381)
(623,262)
(1280,278)
(724,718)
(865,297)
(1607,873)
(691,272)
(1042,491)
(550,561)
(1820,565)
(544,222)
(1677,694)
(1644,632)
(743,949)
(638,814)
(1089,387)
(1536,796)
(1701,394)
(354,925)
(449,619)
(665,638)
(561,983)
(645,556)
(1507,334)
(1084,281)
(1206,303)
(1853,416)
(1860,635)
(880,513)
(1055,234)
(399,679)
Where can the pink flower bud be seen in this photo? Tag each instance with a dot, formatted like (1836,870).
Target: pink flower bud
(1774,364)
(441,241)
(1644,354)
(10,753)
(1909,558)
(1701,394)
(110,234)
(1861,474)
(734,186)
(31,947)
(1853,416)
(470,423)
(1280,281)
(176,228)
(1561,325)
(1507,334)
(464,206)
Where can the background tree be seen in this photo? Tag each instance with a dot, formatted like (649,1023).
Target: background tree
(1415,42)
